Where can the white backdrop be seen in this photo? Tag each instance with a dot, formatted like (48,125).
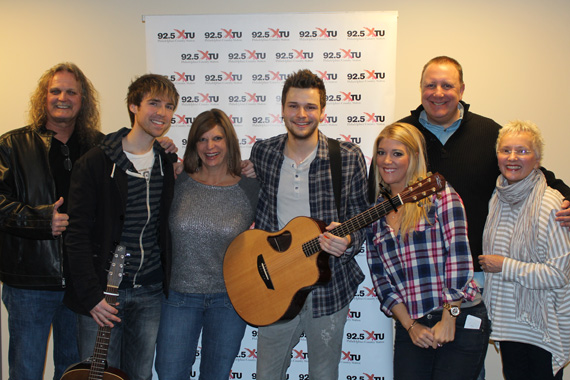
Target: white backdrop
(238,63)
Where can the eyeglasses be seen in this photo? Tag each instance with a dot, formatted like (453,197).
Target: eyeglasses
(518,152)
(67,162)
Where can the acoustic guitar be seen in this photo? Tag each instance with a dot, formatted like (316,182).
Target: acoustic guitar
(268,275)
(96,368)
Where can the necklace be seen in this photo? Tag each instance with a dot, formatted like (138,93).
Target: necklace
(215,183)
(207,180)
(212,184)
(394,220)
(393,215)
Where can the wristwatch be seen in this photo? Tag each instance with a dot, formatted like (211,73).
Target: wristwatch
(453,310)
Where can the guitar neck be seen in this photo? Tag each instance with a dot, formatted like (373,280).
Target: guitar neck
(355,223)
(363,219)
(98,364)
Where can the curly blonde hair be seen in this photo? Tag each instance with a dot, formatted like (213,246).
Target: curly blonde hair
(88,123)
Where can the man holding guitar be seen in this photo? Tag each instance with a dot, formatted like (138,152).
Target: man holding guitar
(296,180)
(120,192)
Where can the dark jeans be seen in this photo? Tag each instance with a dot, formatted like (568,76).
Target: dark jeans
(132,342)
(523,361)
(461,359)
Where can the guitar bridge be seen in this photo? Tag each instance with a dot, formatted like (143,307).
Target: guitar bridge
(263,273)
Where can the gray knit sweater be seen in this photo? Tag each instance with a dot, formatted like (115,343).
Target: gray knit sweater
(203,221)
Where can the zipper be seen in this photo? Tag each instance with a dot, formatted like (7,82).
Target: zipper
(147,179)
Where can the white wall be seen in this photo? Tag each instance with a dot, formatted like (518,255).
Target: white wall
(514,54)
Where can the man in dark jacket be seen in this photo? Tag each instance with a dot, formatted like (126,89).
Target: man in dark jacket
(35,171)
(121,194)
(461,145)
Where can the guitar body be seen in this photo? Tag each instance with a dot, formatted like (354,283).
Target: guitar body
(80,371)
(268,275)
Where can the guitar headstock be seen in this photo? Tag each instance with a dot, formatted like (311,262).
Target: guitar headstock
(115,275)
(423,188)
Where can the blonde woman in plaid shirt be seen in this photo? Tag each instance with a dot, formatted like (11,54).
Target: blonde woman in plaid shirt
(422,270)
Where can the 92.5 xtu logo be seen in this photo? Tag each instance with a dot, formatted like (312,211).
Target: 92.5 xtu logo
(199,55)
(365,33)
(223,34)
(177,34)
(200,98)
(318,33)
(223,77)
(270,76)
(247,55)
(294,54)
(269,34)
(247,98)
(342,54)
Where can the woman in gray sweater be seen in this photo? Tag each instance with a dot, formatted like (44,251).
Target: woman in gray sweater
(212,204)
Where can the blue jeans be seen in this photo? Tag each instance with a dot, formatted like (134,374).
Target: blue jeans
(133,340)
(324,344)
(31,314)
(184,316)
(460,359)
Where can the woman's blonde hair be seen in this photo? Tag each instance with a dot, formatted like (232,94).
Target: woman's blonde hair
(415,146)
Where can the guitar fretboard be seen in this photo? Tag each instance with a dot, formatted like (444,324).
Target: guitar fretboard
(354,224)
(99,359)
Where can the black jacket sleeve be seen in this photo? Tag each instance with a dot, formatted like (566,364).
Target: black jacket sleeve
(556,183)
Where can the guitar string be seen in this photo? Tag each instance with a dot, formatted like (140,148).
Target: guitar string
(101,343)
(359,221)
(312,246)
(354,224)
(98,360)
(367,217)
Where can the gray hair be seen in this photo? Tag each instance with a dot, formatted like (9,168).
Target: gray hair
(519,126)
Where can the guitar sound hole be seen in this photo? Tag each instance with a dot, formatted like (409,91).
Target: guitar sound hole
(280,243)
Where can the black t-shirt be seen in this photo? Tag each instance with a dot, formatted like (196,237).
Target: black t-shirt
(61,159)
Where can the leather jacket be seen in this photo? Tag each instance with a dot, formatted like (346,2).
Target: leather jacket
(30,257)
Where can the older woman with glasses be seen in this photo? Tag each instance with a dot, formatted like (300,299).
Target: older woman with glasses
(526,261)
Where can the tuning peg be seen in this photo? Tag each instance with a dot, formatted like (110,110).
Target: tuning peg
(429,174)
(411,184)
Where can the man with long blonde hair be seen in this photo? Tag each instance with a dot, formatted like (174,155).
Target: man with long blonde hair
(35,172)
